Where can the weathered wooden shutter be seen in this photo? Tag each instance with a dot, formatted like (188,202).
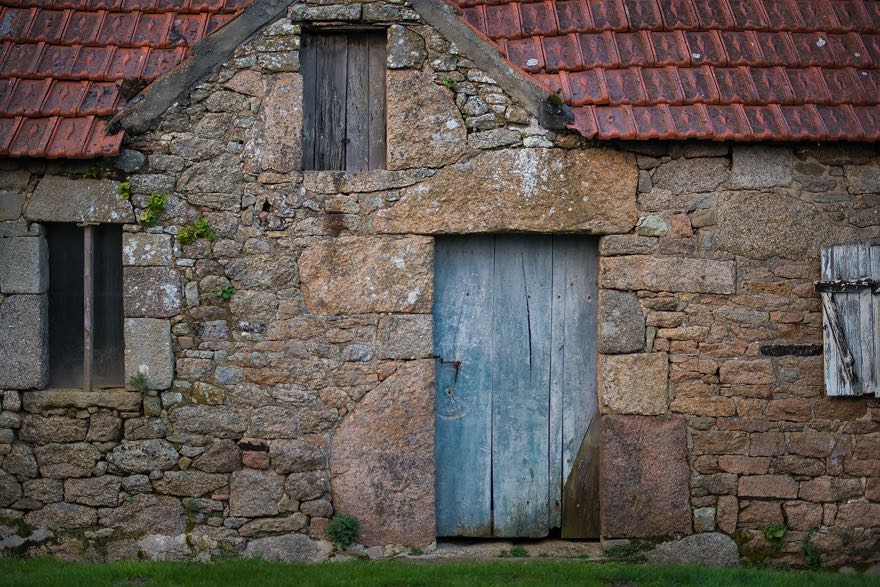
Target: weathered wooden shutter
(851,315)
(343,100)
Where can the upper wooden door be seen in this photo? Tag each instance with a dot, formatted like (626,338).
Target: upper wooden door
(515,324)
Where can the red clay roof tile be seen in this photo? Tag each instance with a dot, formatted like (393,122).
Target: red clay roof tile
(714,69)
(717,69)
(61,62)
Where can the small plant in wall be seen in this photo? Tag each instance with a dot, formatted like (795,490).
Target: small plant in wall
(99,169)
(225,293)
(124,190)
(153,212)
(775,534)
(139,382)
(343,530)
(449,83)
(190,233)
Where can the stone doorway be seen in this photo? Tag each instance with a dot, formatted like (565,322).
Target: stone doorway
(515,345)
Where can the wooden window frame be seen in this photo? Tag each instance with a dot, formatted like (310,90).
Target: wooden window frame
(344,131)
(88,317)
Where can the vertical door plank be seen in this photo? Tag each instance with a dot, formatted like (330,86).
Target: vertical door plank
(357,137)
(846,262)
(849,346)
(521,384)
(376,87)
(557,386)
(463,405)
(875,315)
(332,51)
(309,56)
(866,320)
(577,260)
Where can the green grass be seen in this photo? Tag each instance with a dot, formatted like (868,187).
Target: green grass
(50,572)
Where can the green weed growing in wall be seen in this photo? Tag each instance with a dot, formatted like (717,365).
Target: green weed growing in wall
(154,210)
(124,190)
(343,530)
(190,233)
(99,169)
(775,533)
(139,382)
(225,293)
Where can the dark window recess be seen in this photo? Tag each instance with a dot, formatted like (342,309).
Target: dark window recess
(343,100)
(66,306)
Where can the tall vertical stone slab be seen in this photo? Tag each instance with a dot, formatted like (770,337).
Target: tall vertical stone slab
(24,265)
(24,341)
(148,351)
(644,476)
(382,460)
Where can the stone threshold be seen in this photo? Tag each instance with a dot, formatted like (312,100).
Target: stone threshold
(500,548)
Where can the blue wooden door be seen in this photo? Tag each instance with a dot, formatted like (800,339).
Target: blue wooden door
(514,335)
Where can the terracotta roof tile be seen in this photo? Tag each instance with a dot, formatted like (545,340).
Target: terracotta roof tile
(714,69)
(61,62)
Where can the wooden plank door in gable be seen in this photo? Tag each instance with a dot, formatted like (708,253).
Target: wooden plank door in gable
(515,323)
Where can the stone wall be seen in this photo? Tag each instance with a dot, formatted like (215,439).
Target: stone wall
(311,389)
(318,367)
(709,319)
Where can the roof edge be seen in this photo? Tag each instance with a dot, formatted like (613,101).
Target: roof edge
(142,114)
(487,56)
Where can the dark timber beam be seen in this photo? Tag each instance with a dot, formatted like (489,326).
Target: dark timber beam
(143,113)
(550,112)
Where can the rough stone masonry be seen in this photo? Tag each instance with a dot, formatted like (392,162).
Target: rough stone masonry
(269,412)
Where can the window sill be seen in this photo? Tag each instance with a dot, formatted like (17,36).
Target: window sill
(114,398)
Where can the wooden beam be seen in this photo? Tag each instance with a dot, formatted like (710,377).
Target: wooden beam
(88,304)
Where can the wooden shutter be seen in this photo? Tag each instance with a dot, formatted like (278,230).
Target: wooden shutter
(343,101)
(851,316)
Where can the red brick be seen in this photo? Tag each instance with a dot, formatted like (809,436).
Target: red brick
(768,486)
